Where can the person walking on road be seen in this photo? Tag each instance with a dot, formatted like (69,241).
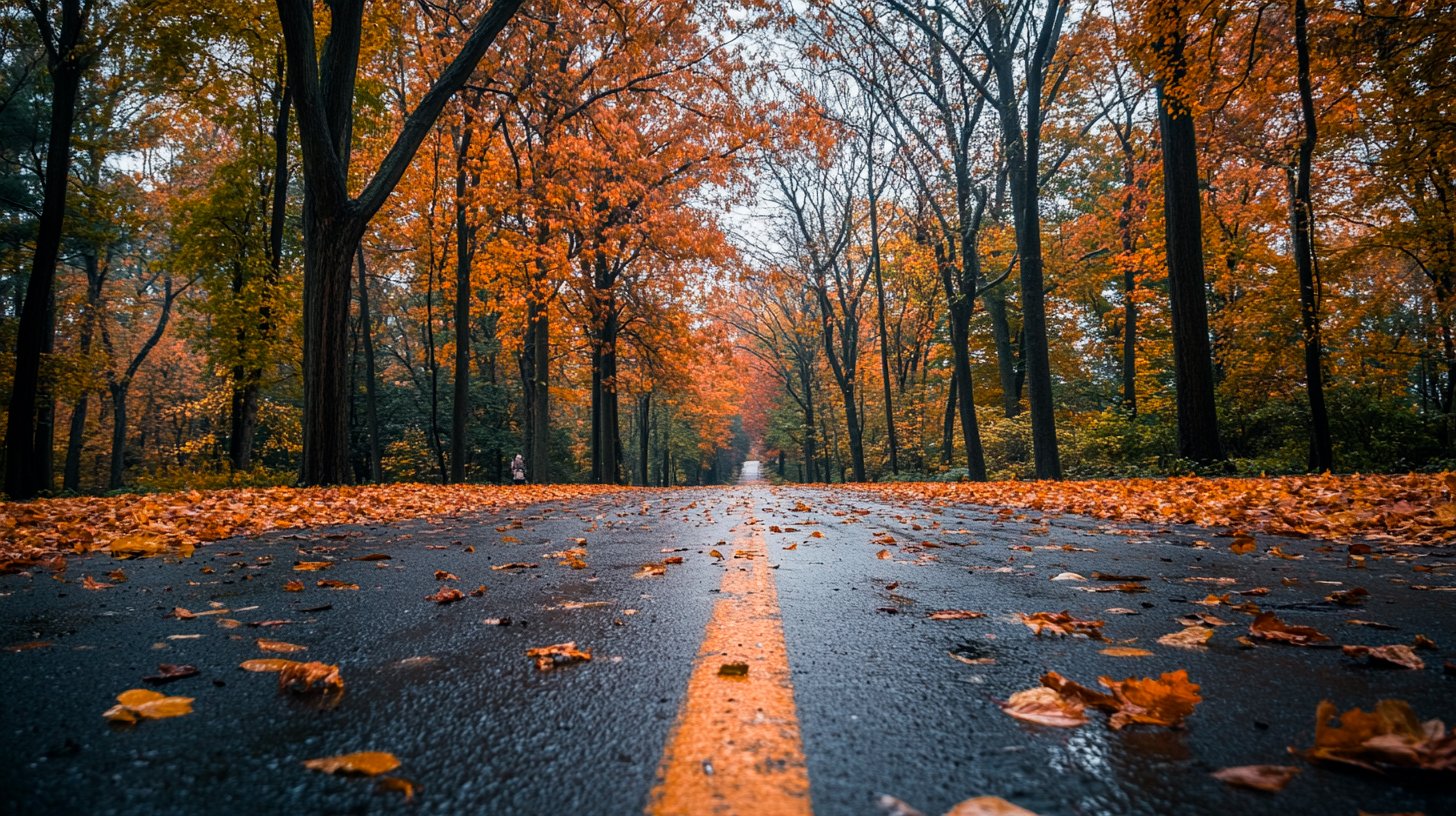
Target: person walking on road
(518,470)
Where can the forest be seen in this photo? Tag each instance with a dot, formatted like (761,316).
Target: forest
(638,241)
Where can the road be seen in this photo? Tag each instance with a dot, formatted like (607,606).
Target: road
(798,672)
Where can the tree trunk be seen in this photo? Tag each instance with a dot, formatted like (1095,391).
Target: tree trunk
(464,255)
(1198,438)
(371,399)
(1301,206)
(29,428)
(117,480)
(880,309)
(536,360)
(1023,174)
(994,299)
(95,278)
(947,433)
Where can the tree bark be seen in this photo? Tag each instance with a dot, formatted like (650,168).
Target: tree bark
(371,399)
(1022,159)
(464,256)
(1198,437)
(1301,206)
(28,430)
(880,306)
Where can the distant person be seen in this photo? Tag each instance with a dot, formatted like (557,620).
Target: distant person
(518,470)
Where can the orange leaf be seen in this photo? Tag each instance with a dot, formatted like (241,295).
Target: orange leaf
(136,705)
(557,654)
(955,614)
(361,763)
(1044,706)
(329,583)
(445,595)
(1268,627)
(279,646)
(293,586)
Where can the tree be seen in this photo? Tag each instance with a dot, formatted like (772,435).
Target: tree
(69,53)
(334,220)
(1198,437)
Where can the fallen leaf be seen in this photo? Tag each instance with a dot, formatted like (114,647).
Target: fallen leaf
(311,676)
(1125,651)
(1355,596)
(883,555)
(293,586)
(733,670)
(1193,637)
(374,557)
(1270,778)
(1268,627)
(1243,544)
(393,784)
(1044,706)
(360,763)
(515,565)
(987,806)
(1166,700)
(1396,655)
(279,646)
(329,583)
(955,614)
(1371,624)
(1203,618)
(312,566)
(136,705)
(557,654)
(167,672)
(1062,623)
(1390,736)
(651,570)
(445,595)
(441,575)
(1105,576)
(91,583)
(1068,576)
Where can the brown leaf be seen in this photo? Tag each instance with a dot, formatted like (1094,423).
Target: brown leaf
(515,565)
(954,614)
(651,570)
(716,554)
(167,672)
(1243,544)
(1268,627)
(441,575)
(445,595)
(1062,623)
(374,557)
(1271,778)
(91,583)
(1193,637)
(1106,576)
(1044,706)
(1165,701)
(1396,655)
(311,676)
(393,784)
(1125,651)
(136,705)
(361,763)
(1355,596)
(1389,737)
(293,586)
(329,583)
(312,566)
(883,555)
(557,654)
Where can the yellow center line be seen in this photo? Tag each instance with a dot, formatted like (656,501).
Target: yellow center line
(735,747)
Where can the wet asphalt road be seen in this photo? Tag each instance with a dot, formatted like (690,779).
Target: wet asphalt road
(883,705)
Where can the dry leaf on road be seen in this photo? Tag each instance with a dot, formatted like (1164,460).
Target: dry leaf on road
(360,763)
(136,705)
(1271,778)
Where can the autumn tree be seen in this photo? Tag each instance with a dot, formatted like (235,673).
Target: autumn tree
(334,220)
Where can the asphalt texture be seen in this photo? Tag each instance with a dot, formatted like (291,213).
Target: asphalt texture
(886,702)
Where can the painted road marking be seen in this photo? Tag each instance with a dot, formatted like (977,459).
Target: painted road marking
(735,747)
